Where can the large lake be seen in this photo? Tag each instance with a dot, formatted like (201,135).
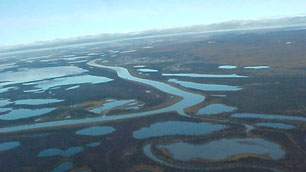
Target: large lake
(171,128)
(224,149)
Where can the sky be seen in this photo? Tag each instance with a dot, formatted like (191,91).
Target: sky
(27,21)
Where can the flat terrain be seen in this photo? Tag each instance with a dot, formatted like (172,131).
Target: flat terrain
(253,83)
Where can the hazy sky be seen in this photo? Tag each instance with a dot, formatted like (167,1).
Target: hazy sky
(25,21)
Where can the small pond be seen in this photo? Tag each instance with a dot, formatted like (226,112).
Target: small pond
(8,145)
(177,128)
(24,113)
(227,67)
(205,87)
(45,85)
(266,116)
(65,153)
(214,109)
(257,67)
(4,102)
(195,75)
(95,131)
(275,125)
(37,101)
(93,144)
(147,70)
(65,166)
(112,104)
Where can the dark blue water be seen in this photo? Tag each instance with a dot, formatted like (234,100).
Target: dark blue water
(205,87)
(8,145)
(66,166)
(65,153)
(177,128)
(214,109)
(275,125)
(266,116)
(25,113)
(95,131)
(224,148)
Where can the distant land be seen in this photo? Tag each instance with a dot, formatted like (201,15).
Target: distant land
(297,21)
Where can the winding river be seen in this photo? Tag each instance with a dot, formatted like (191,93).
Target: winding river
(188,99)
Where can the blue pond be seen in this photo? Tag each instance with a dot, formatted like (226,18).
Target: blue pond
(93,144)
(218,95)
(4,102)
(25,113)
(275,125)
(227,67)
(195,75)
(147,70)
(2,90)
(37,101)
(36,74)
(177,128)
(95,131)
(110,105)
(65,166)
(8,145)
(257,67)
(205,87)
(224,149)
(5,110)
(65,153)
(266,116)
(45,85)
(214,109)
(73,87)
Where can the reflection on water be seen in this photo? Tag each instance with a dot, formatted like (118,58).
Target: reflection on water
(4,102)
(266,116)
(73,87)
(6,110)
(257,67)
(93,144)
(177,128)
(139,66)
(95,131)
(214,109)
(25,113)
(37,101)
(275,125)
(195,75)
(2,90)
(8,145)
(45,85)
(230,147)
(66,166)
(7,66)
(35,74)
(188,100)
(147,70)
(218,95)
(227,67)
(205,87)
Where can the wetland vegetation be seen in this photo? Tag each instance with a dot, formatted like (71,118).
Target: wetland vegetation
(224,101)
